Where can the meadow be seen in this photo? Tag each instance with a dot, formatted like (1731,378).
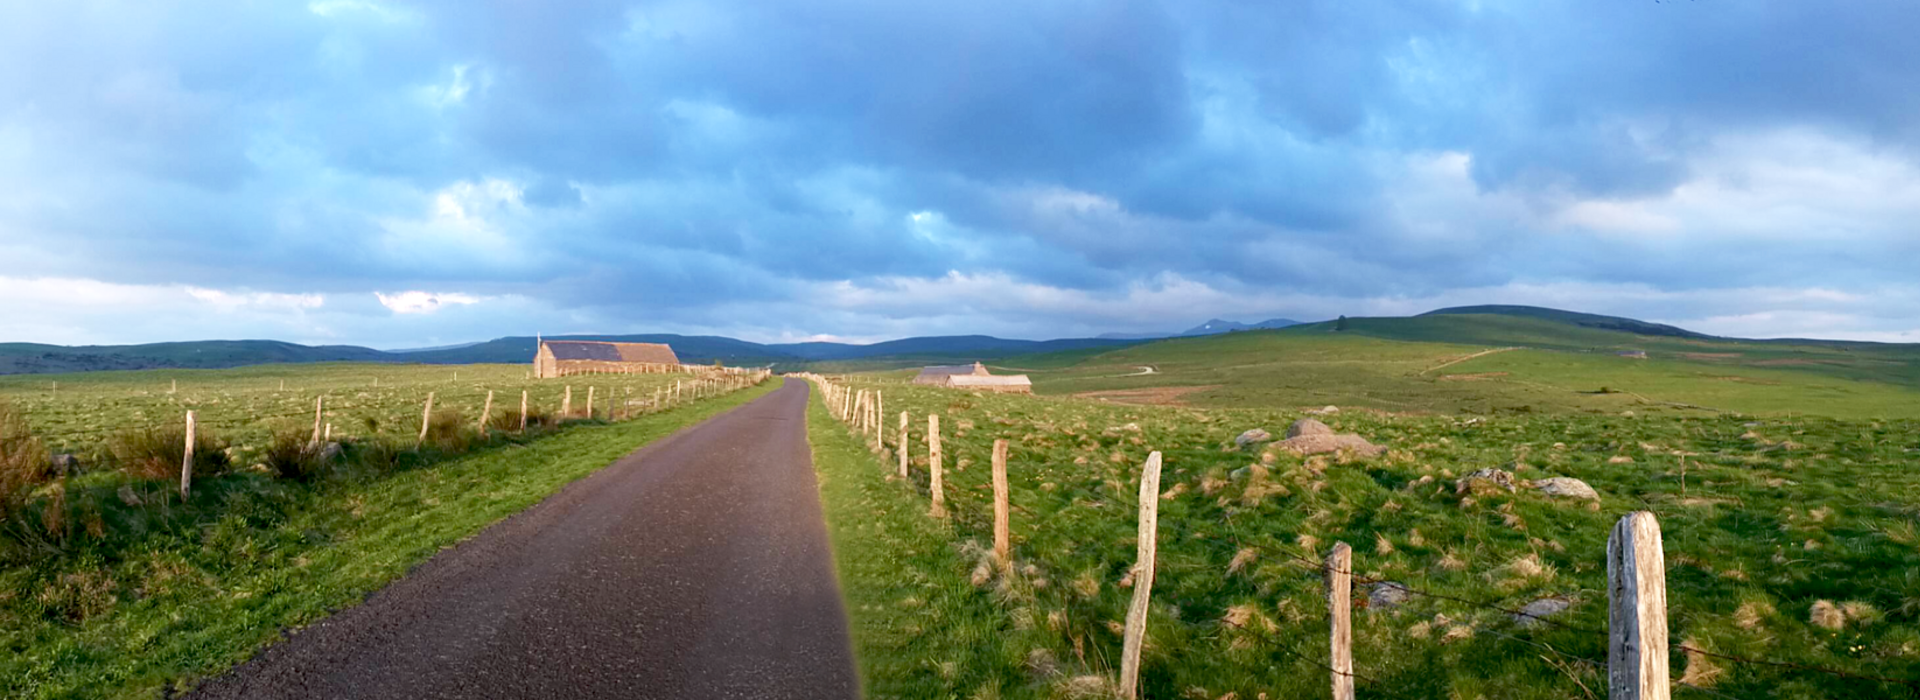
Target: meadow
(1788,540)
(113,585)
(1492,365)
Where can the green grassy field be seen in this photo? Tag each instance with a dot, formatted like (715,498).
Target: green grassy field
(1421,364)
(113,586)
(1767,527)
(71,412)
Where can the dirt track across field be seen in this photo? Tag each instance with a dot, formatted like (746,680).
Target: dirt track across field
(695,568)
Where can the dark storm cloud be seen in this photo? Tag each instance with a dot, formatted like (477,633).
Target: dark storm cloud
(644,162)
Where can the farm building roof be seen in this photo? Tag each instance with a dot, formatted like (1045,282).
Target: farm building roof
(938,374)
(655,353)
(988,380)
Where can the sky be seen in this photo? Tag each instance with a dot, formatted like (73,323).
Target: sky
(406,174)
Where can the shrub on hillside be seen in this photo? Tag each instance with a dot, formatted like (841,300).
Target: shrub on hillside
(155,453)
(23,460)
(509,421)
(287,456)
(448,428)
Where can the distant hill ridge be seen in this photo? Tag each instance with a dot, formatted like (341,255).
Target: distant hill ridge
(29,358)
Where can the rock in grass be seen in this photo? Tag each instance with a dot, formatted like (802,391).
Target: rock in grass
(65,464)
(1323,444)
(1324,411)
(1251,437)
(1308,426)
(330,452)
(1566,487)
(1536,612)
(1484,478)
(1387,595)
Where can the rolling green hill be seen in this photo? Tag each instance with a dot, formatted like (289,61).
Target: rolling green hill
(1485,362)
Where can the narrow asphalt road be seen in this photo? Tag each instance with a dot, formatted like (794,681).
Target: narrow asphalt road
(695,568)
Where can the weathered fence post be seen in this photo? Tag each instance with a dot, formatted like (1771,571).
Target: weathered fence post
(590,391)
(1637,610)
(1340,617)
(486,413)
(1002,544)
(1136,631)
(426,421)
(566,403)
(319,405)
(176,387)
(939,508)
(186,462)
(523,410)
(879,422)
(903,445)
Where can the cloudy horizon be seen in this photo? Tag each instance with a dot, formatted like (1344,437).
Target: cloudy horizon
(410,174)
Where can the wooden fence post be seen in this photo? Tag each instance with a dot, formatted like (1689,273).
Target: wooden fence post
(1002,544)
(486,413)
(879,422)
(319,405)
(186,462)
(426,421)
(1136,637)
(1637,610)
(566,403)
(903,445)
(523,410)
(590,391)
(1340,617)
(934,485)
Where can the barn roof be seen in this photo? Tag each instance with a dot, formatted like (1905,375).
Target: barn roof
(939,372)
(656,353)
(989,380)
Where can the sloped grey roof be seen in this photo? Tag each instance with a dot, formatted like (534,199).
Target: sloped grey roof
(611,352)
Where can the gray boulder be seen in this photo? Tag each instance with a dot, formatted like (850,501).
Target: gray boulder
(1484,478)
(1251,437)
(1387,595)
(1536,612)
(1566,487)
(1308,426)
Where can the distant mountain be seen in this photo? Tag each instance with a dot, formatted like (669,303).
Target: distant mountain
(32,358)
(1586,320)
(1211,327)
(1221,326)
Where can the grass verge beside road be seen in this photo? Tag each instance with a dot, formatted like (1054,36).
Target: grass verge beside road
(920,630)
(184,603)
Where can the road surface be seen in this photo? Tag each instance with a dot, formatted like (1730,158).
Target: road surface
(695,568)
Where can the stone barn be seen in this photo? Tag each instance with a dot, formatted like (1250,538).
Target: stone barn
(974,377)
(937,376)
(560,358)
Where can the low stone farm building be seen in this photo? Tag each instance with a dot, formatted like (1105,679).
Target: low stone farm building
(561,358)
(974,377)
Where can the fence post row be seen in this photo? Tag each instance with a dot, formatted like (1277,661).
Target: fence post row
(934,484)
(903,445)
(426,421)
(1136,631)
(1340,617)
(1637,610)
(1002,535)
(319,405)
(486,413)
(186,462)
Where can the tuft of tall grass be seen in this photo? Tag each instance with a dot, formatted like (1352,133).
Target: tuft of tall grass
(288,457)
(509,421)
(449,429)
(156,453)
(23,460)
